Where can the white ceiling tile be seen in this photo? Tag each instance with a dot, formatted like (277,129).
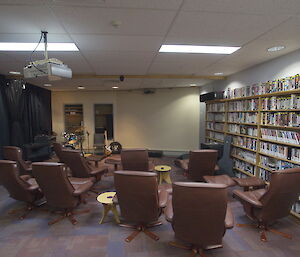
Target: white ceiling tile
(220,28)
(30,38)
(98,20)
(117,43)
(141,4)
(244,6)
(170,83)
(23,2)
(28,19)
(119,62)
(182,63)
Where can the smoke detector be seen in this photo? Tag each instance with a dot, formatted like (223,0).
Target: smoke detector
(116,23)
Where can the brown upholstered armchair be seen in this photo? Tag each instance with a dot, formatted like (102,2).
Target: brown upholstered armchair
(80,167)
(201,163)
(59,191)
(22,188)
(136,160)
(139,200)
(200,224)
(57,147)
(14,153)
(265,206)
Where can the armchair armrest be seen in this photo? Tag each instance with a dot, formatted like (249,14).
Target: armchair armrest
(25,177)
(33,187)
(168,211)
(163,198)
(82,188)
(248,197)
(229,218)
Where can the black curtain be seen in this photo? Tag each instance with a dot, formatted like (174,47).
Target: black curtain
(15,104)
(4,122)
(25,111)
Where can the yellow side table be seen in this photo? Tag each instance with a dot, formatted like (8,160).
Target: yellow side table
(163,173)
(107,201)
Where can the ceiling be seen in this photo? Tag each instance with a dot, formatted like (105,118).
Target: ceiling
(132,48)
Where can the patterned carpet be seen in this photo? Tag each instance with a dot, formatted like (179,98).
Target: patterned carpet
(32,237)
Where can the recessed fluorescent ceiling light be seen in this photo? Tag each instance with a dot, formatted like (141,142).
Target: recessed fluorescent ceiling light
(198,49)
(193,85)
(115,87)
(15,72)
(275,48)
(219,73)
(80,87)
(47,85)
(31,46)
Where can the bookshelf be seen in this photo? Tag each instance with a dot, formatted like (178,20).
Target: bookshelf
(265,130)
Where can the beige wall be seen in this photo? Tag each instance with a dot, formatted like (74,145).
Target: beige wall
(166,120)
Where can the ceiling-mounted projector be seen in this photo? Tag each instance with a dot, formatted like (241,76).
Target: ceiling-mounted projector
(52,68)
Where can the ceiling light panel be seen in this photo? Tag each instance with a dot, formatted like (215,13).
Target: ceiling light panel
(198,49)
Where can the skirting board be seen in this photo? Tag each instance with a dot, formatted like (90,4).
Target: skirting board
(174,153)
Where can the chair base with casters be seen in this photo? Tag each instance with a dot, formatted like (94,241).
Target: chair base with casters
(141,228)
(263,229)
(194,249)
(24,211)
(69,214)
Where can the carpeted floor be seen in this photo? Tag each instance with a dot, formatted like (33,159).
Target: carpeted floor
(32,237)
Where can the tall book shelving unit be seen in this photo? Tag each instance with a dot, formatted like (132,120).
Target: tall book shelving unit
(265,130)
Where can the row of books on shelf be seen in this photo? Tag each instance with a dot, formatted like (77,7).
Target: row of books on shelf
(281,85)
(242,117)
(276,150)
(246,105)
(216,117)
(246,142)
(278,103)
(264,174)
(244,166)
(216,107)
(216,135)
(290,137)
(249,156)
(274,164)
(287,119)
(215,126)
(242,129)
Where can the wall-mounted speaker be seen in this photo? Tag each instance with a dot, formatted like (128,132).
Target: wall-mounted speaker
(211,96)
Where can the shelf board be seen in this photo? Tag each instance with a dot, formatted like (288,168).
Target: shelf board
(265,168)
(217,131)
(245,172)
(243,111)
(242,159)
(279,158)
(215,121)
(279,142)
(215,111)
(282,110)
(280,127)
(241,135)
(245,148)
(218,140)
(242,123)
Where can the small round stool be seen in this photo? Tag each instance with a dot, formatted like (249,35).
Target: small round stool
(163,173)
(107,201)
